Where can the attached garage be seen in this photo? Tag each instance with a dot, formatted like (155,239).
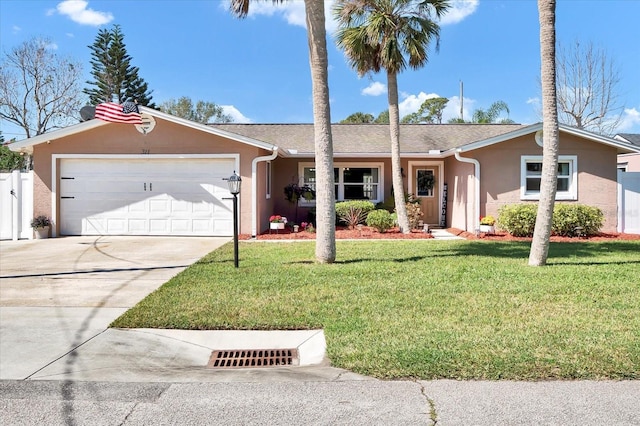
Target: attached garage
(145,195)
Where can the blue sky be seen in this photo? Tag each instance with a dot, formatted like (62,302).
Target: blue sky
(258,67)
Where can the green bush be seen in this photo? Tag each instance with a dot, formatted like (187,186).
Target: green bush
(353,213)
(518,220)
(380,219)
(570,220)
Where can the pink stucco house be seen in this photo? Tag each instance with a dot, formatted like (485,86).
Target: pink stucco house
(167,176)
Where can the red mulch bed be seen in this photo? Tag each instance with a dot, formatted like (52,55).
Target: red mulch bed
(503,236)
(367,233)
(342,233)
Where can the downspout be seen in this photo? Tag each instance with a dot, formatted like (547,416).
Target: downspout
(476,163)
(254,188)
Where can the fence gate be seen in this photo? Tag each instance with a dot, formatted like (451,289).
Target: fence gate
(16,205)
(629,202)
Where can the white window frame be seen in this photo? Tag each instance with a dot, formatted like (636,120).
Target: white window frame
(340,183)
(571,194)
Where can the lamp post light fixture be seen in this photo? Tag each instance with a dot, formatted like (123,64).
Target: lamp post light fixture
(234,188)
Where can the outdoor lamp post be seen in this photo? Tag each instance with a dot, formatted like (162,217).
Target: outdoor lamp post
(234,188)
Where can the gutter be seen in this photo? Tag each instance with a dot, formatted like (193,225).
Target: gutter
(476,163)
(254,188)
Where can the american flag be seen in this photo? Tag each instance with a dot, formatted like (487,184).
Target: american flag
(116,113)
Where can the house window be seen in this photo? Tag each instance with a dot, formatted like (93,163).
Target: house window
(531,176)
(352,181)
(424,182)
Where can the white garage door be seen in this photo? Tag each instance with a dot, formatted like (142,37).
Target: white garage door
(162,196)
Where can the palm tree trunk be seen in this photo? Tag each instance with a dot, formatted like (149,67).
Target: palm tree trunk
(550,134)
(325,201)
(396,164)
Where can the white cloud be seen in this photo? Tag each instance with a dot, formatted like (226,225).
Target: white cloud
(533,101)
(411,103)
(16,29)
(78,11)
(70,35)
(52,46)
(459,10)
(292,11)
(630,119)
(374,89)
(236,115)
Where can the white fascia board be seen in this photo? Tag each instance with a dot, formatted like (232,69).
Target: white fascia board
(208,129)
(621,144)
(498,139)
(27,144)
(623,147)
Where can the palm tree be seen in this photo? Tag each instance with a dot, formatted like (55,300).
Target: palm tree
(550,134)
(491,115)
(389,35)
(325,202)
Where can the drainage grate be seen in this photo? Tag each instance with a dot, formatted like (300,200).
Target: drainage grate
(247,358)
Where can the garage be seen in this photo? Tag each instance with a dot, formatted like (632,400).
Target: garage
(146,195)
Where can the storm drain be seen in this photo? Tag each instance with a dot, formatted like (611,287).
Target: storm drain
(247,358)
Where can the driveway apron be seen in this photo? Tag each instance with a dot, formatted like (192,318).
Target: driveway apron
(58,294)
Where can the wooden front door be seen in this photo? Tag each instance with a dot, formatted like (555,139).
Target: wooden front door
(429,194)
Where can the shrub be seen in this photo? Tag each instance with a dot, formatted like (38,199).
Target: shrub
(569,218)
(380,219)
(353,213)
(518,220)
(488,220)
(40,222)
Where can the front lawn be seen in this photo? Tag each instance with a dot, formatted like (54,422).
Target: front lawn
(425,309)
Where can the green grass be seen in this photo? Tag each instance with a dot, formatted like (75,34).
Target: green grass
(425,309)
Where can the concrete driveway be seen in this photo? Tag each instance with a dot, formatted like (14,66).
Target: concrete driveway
(58,294)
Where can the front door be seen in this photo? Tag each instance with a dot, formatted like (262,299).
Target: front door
(426,187)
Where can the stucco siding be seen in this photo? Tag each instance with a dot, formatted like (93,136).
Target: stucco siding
(166,138)
(596,171)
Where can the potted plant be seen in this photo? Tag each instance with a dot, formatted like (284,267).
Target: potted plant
(40,225)
(277,222)
(487,224)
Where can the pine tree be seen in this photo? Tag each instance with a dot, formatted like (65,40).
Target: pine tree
(115,78)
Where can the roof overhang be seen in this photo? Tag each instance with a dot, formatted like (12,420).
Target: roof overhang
(623,147)
(27,145)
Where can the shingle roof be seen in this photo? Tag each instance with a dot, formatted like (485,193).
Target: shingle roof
(371,138)
(633,138)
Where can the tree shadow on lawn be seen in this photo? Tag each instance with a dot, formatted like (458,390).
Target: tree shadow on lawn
(557,250)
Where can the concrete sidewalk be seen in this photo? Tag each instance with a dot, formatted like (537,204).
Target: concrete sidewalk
(301,402)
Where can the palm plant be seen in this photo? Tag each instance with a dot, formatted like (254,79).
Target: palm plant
(389,35)
(550,134)
(325,203)
(491,114)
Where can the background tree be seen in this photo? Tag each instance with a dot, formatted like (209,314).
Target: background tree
(382,118)
(550,134)
(39,90)
(318,62)
(429,112)
(488,116)
(115,79)
(492,114)
(389,34)
(588,96)
(358,118)
(203,112)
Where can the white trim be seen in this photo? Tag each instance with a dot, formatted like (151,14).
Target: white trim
(373,165)
(254,188)
(570,195)
(439,181)
(476,196)
(26,145)
(54,171)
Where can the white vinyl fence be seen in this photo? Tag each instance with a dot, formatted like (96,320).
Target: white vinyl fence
(629,202)
(16,205)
